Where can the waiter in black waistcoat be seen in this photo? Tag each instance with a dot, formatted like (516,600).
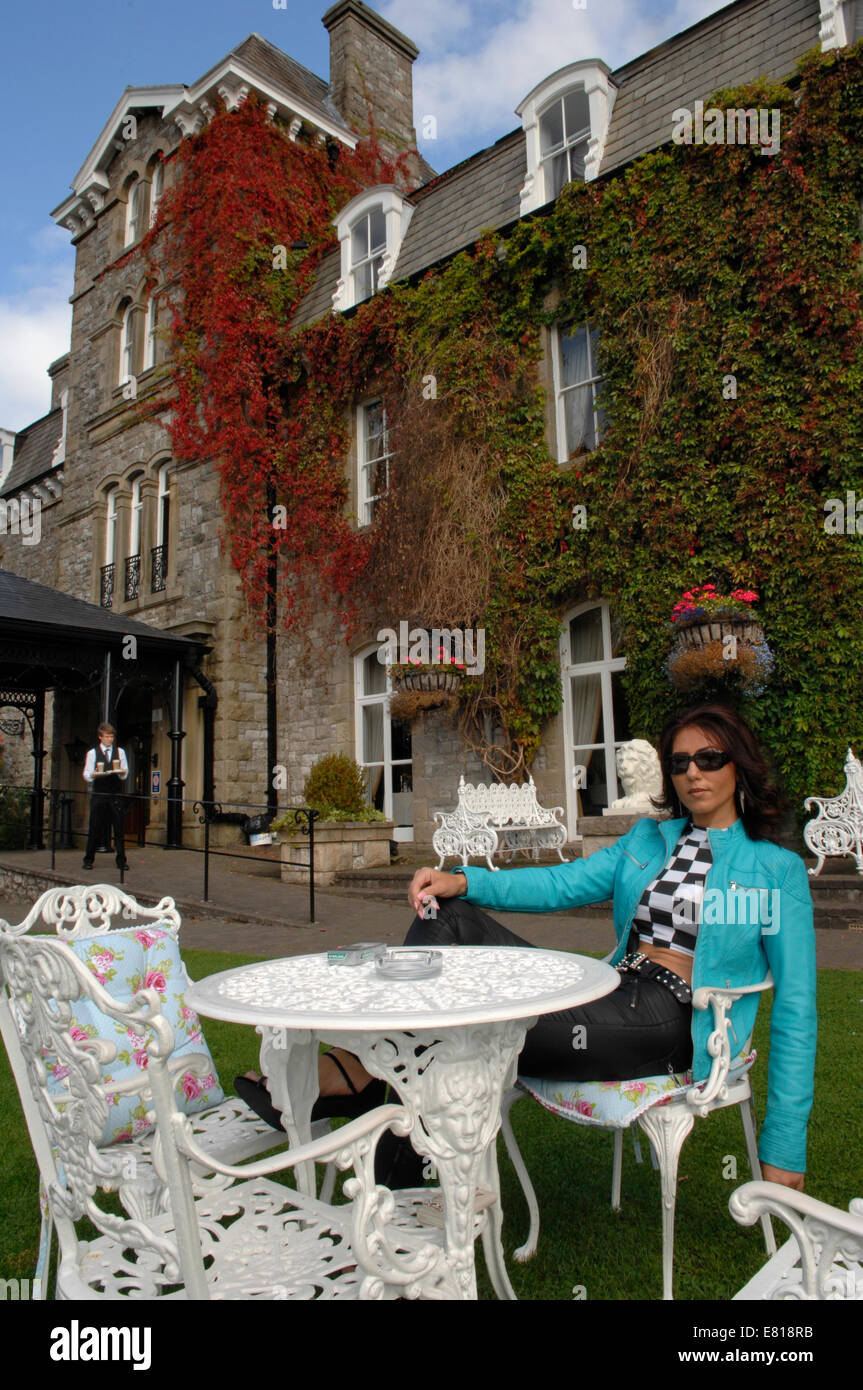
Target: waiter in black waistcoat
(106,769)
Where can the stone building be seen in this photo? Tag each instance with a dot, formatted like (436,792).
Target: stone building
(125,527)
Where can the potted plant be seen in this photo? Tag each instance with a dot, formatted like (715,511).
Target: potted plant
(719,641)
(348,832)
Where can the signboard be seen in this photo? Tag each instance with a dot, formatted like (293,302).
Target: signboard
(155,783)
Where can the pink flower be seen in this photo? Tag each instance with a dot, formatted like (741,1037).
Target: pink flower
(635,1088)
(139,1125)
(584,1107)
(60,1072)
(103,960)
(154,979)
(124,1137)
(208,1082)
(141,1060)
(78,1034)
(191,1088)
(149,938)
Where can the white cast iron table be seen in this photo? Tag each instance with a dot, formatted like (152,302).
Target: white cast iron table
(448,1045)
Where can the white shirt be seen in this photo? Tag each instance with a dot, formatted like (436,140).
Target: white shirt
(116,754)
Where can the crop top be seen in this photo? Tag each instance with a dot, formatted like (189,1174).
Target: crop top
(670,908)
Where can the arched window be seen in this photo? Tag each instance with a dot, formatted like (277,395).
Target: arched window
(595,715)
(133,558)
(159,566)
(150,334)
(564,131)
(383,745)
(157,187)
(368,248)
(134,210)
(128,344)
(106,588)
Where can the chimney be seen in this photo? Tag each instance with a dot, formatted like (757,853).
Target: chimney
(370,69)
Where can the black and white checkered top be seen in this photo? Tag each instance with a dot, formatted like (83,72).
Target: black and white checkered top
(670,907)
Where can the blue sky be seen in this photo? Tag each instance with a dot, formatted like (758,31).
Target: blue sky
(66,65)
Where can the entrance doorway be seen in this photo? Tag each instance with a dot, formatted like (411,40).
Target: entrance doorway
(134,722)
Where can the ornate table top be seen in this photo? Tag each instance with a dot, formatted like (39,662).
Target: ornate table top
(478,984)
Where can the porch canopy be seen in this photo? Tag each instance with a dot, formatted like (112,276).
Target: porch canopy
(51,641)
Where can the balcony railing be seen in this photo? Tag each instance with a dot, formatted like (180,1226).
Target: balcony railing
(133,576)
(106,588)
(158,569)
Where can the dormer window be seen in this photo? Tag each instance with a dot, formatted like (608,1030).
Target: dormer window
(565,120)
(371,229)
(564,132)
(368,248)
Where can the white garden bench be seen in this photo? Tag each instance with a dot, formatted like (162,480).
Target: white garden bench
(494,819)
(822,1259)
(838,827)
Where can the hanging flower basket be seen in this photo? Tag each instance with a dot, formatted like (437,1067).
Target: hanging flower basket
(716,629)
(438,678)
(720,644)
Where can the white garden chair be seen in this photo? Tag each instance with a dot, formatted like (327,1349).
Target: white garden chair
(232,1234)
(227,1130)
(823,1259)
(665,1108)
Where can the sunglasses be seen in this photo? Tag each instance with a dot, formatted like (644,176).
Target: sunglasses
(706,760)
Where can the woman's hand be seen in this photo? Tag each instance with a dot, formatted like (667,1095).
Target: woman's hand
(428,884)
(782,1176)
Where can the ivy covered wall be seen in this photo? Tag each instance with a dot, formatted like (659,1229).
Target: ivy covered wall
(700,264)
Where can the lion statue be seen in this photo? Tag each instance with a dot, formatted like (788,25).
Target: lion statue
(640,776)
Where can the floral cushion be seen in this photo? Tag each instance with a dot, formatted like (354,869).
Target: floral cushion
(125,962)
(616,1104)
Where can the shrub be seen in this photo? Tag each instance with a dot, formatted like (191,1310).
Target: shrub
(14,818)
(336,781)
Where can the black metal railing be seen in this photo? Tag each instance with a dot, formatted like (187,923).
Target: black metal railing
(106,588)
(133,576)
(63,836)
(158,569)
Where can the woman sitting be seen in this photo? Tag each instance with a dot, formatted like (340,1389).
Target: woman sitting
(717,788)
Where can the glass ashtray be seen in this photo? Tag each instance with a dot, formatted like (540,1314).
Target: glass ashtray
(406,963)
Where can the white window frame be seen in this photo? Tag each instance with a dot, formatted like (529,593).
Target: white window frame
(560,391)
(594,77)
(402,833)
(163,497)
(127,345)
(136,509)
(568,145)
(150,335)
(605,669)
(157,188)
(397,215)
(373,259)
(133,212)
(111,526)
(366,499)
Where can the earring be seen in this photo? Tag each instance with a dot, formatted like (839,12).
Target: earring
(742,801)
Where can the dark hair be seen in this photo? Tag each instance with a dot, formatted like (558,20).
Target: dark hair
(763,809)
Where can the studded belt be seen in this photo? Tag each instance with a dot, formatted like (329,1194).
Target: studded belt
(636,963)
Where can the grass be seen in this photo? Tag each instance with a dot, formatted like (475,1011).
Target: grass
(611,1255)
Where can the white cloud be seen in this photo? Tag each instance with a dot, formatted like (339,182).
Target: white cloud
(473,92)
(35,322)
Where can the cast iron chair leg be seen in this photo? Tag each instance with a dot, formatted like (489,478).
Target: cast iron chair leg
(528,1250)
(667,1128)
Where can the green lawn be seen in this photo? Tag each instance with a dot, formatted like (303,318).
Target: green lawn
(613,1255)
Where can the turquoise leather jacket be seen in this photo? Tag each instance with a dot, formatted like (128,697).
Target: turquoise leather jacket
(775,933)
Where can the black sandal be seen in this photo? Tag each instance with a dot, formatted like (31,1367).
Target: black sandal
(257,1097)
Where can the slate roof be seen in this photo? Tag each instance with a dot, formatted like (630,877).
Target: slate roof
(285,72)
(34,449)
(745,40)
(41,611)
(734,46)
